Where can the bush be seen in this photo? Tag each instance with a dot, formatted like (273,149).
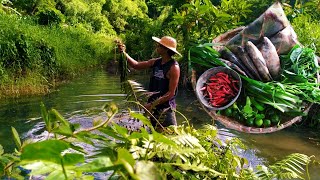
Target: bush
(49,16)
(308,31)
(48,52)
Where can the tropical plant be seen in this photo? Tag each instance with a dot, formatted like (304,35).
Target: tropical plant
(178,153)
(120,11)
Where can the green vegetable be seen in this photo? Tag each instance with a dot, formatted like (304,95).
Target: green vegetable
(266,123)
(250,122)
(257,105)
(275,119)
(300,64)
(204,55)
(258,122)
(273,94)
(247,109)
(228,112)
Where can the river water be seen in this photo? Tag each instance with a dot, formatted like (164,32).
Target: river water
(83,97)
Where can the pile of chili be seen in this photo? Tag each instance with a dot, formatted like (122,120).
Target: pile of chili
(220,89)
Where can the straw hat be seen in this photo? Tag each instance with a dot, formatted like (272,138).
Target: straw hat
(168,42)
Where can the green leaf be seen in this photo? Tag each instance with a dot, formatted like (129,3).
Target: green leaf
(49,150)
(101,164)
(64,130)
(247,109)
(72,158)
(45,117)
(39,168)
(142,118)
(135,135)
(16,137)
(58,117)
(110,132)
(57,174)
(125,156)
(1,150)
(121,130)
(146,170)
(161,138)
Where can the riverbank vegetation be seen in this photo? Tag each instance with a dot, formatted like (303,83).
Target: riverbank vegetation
(181,152)
(44,42)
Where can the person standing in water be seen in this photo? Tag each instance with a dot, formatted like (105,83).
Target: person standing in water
(163,81)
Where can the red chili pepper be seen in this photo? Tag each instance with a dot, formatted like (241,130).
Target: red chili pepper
(220,89)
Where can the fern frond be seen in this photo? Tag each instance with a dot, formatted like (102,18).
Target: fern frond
(186,140)
(290,167)
(196,166)
(136,92)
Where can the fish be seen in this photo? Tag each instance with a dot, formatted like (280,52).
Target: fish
(270,55)
(284,40)
(258,61)
(247,61)
(268,24)
(233,66)
(228,55)
(220,40)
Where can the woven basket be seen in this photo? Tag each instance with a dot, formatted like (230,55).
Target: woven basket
(234,124)
(230,122)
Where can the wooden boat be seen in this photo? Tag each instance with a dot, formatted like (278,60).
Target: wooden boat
(232,123)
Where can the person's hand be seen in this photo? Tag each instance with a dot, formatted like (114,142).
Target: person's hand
(121,46)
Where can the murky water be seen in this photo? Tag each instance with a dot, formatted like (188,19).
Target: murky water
(81,100)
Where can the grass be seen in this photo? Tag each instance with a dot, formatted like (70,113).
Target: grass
(33,57)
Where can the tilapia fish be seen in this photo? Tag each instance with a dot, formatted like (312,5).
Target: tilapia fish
(228,55)
(268,24)
(284,40)
(258,61)
(233,66)
(271,57)
(246,60)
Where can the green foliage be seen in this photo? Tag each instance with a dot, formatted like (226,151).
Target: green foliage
(49,16)
(136,92)
(21,52)
(178,153)
(50,53)
(25,6)
(238,9)
(303,24)
(199,20)
(119,12)
(291,167)
(304,19)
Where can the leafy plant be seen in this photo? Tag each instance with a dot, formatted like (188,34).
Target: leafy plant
(290,167)
(300,65)
(179,153)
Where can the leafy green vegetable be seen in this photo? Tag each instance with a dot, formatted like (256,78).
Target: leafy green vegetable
(204,55)
(300,64)
(273,94)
